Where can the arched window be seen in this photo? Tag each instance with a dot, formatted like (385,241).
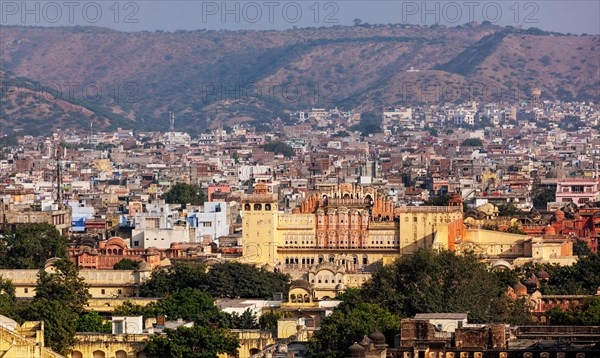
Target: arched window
(247,207)
(268,207)
(306,298)
(300,299)
(293,298)
(257,207)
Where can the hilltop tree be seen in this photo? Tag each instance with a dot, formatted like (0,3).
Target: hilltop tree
(30,246)
(183,194)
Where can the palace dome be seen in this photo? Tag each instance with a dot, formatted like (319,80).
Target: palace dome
(356,350)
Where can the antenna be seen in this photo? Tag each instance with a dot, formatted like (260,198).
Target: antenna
(171,121)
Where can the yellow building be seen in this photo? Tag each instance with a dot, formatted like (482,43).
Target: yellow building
(104,345)
(104,284)
(23,341)
(504,249)
(351,225)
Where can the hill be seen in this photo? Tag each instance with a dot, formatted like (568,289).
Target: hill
(134,79)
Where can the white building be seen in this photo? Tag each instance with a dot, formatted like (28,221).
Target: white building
(464,117)
(158,226)
(445,322)
(212,221)
(128,325)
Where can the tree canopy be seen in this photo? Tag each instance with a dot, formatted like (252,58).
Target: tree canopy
(192,305)
(230,279)
(586,315)
(348,324)
(370,123)
(30,246)
(472,142)
(93,322)
(425,282)
(194,342)
(127,264)
(279,147)
(59,299)
(183,193)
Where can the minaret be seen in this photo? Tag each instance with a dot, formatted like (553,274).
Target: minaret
(58,177)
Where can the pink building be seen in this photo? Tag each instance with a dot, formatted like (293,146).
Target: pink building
(577,190)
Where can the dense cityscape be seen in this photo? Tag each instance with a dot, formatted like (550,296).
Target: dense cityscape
(299,179)
(420,231)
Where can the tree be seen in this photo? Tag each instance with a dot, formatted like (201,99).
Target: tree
(230,279)
(509,210)
(179,275)
(246,320)
(515,230)
(63,284)
(279,147)
(188,303)
(349,324)
(194,342)
(92,322)
(183,194)
(31,245)
(581,278)
(340,134)
(127,264)
(542,197)
(441,200)
(586,315)
(472,142)
(370,123)
(268,320)
(60,323)
(581,248)
(233,279)
(435,281)
(8,299)
(357,21)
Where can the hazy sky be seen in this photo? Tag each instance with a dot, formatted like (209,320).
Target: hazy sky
(562,16)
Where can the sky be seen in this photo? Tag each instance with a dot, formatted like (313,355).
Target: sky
(575,17)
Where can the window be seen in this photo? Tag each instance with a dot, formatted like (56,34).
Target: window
(207,224)
(118,327)
(26,290)
(103,291)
